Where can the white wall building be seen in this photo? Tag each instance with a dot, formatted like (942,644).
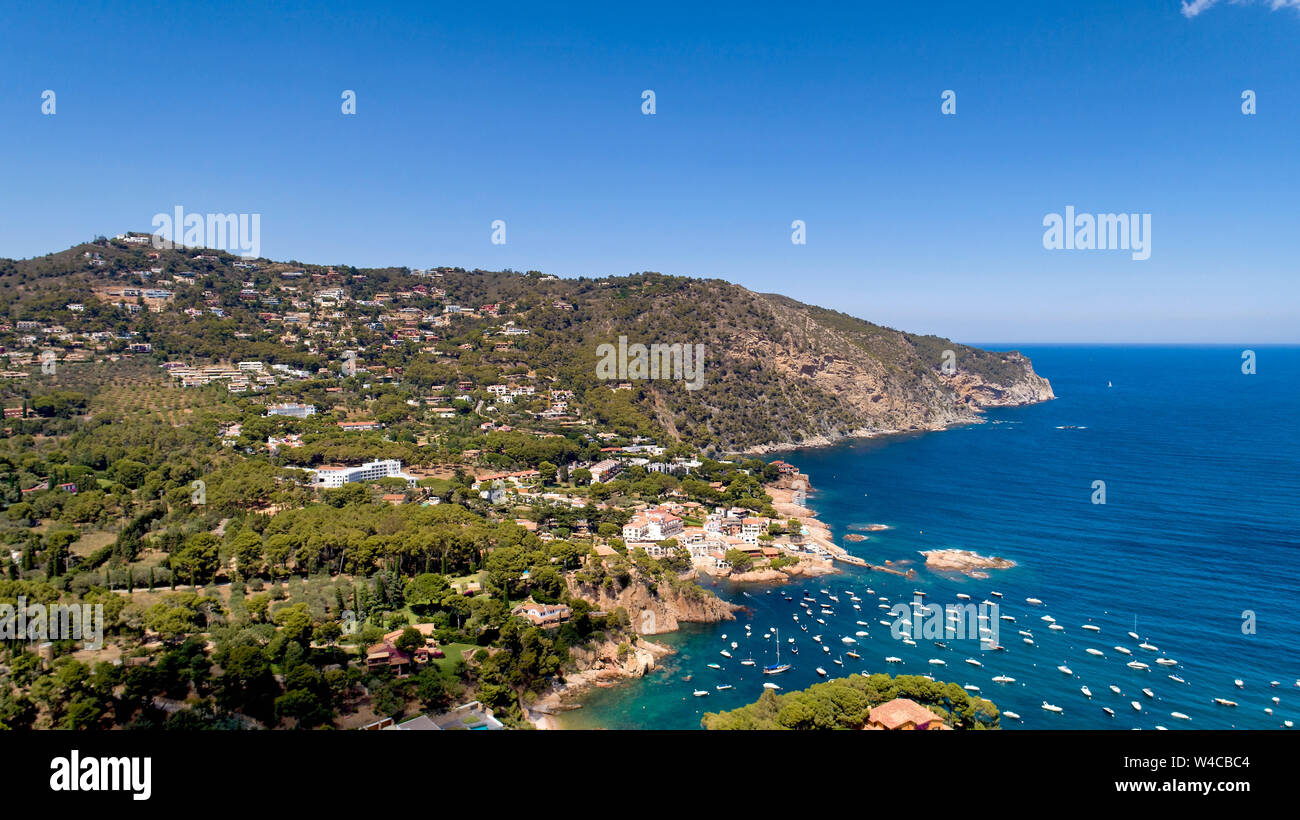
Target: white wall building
(334,477)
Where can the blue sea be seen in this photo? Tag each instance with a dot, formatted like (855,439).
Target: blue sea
(1196,549)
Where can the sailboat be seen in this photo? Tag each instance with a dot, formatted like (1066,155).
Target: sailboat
(778,667)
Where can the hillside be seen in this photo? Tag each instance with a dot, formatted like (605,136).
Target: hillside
(775,371)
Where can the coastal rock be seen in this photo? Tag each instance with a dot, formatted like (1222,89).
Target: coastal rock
(658,610)
(965,561)
(881,381)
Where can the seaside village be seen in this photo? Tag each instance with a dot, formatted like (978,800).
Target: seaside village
(476,408)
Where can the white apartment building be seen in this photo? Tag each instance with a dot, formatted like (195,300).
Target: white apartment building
(335,477)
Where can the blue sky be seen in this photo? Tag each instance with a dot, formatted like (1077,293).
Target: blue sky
(766,113)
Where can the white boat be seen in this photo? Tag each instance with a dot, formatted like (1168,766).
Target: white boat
(770,686)
(1115,689)
(747,662)
(862,623)
(970,688)
(1135,636)
(1176,678)
(796,617)
(937,662)
(1056,627)
(1029,641)
(1123,650)
(1096,652)
(838,662)
(973,662)
(1137,706)
(1003,679)
(1012,715)
(1050,708)
(883,622)
(909,642)
(857,607)
(820,621)
(1148,693)
(1065,669)
(1087,693)
(1137,665)
(1149,647)
(1225,702)
(847,639)
(722,687)
(1026,634)
(724,653)
(1108,710)
(817,638)
(963,596)
(1179,716)
(1092,627)
(1034,601)
(826,649)
(833,598)
(854,655)
(1239,684)
(892,659)
(821,671)
(996,594)
(713,666)
(1011,618)
(1049,619)
(699,693)
(778,667)
(1166,661)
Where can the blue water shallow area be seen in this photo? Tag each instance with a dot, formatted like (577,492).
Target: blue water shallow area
(1201,526)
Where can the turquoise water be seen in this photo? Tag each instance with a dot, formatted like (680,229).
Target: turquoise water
(1200,525)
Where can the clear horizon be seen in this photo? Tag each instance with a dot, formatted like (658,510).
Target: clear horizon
(916,220)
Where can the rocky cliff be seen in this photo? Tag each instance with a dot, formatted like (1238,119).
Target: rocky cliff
(655,607)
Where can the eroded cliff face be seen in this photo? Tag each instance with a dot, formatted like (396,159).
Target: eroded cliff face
(612,660)
(1029,388)
(880,380)
(658,610)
